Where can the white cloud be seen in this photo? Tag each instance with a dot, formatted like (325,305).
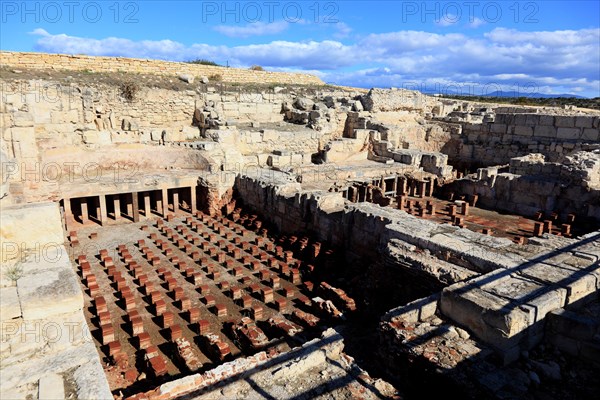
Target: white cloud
(448,20)
(555,61)
(39,32)
(476,23)
(545,38)
(252,29)
(342,30)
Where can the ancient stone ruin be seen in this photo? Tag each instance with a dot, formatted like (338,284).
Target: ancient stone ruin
(267,235)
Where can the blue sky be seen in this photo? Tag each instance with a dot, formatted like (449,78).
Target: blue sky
(471,47)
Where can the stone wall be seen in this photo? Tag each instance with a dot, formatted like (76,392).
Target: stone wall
(366,228)
(514,135)
(55,108)
(398,99)
(141,66)
(532,185)
(44,340)
(41,117)
(415,311)
(47,124)
(278,147)
(576,332)
(289,208)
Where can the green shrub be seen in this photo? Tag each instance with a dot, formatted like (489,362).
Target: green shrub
(204,62)
(129,90)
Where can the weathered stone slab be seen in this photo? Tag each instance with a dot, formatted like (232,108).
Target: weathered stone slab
(21,228)
(49,292)
(577,283)
(493,319)
(520,291)
(9,303)
(51,387)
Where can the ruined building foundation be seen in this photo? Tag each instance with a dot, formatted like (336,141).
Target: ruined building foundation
(286,239)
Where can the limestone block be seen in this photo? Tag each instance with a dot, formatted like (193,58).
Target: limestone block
(225,136)
(187,78)
(22,119)
(584,122)
(156,135)
(498,128)
(254,137)
(544,131)
(266,109)
(124,137)
(270,135)
(42,113)
(190,133)
(247,108)
(64,117)
(145,136)
(518,119)
(22,134)
(564,121)
(49,290)
(303,104)
(291,369)
(9,303)
(97,137)
(90,383)
(591,134)
(568,133)
(66,330)
(418,310)
(523,130)
(331,202)
(279,161)
(21,228)
(489,317)
(172,135)
(90,378)
(532,120)
(546,120)
(51,387)
(527,294)
(23,338)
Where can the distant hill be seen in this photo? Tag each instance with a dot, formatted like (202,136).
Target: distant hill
(547,101)
(500,93)
(508,94)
